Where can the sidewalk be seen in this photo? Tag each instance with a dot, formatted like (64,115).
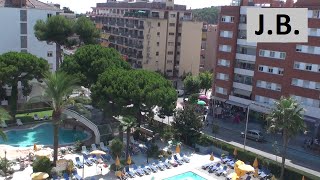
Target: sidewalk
(297,157)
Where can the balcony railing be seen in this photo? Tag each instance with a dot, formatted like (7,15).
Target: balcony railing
(130,25)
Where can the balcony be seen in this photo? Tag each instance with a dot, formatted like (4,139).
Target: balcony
(121,24)
(242,86)
(128,25)
(246,57)
(140,27)
(246,43)
(245,72)
(242,26)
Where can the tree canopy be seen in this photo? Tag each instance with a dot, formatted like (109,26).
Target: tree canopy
(286,117)
(86,30)
(205,79)
(191,84)
(187,123)
(141,89)
(23,67)
(209,15)
(90,61)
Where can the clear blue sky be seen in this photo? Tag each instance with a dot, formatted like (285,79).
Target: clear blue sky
(81,6)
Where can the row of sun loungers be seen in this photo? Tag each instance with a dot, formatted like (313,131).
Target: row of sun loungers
(94,147)
(4,124)
(90,160)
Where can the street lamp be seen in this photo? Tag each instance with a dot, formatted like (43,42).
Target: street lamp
(5,164)
(83,166)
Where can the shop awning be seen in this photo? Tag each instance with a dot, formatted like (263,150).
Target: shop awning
(236,104)
(242,92)
(260,108)
(218,99)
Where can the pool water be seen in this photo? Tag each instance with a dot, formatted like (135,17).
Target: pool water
(186,176)
(42,134)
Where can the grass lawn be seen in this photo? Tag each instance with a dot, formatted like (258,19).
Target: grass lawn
(28,117)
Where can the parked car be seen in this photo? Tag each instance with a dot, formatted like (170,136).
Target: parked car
(180,92)
(254,135)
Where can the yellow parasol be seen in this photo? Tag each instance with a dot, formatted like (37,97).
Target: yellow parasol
(235,152)
(117,161)
(273,178)
(302,177)
(35,147)
(39,175)
(256,173)
(255,163)
(178,149)
(129,160)
(42,152)
(211,157)
(246,168)
(233,176)
(118,174)
(97,152)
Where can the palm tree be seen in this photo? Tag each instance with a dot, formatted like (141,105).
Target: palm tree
(4,115)
(128,123)
(59,85)
(286,117)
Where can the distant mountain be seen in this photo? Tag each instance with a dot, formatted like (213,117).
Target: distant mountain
(209,15)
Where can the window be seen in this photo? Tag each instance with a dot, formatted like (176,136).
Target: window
(170,52)
(158,33)
(260,68)
(306,84)
(268,85)
(172,15)
(157,53)
(232,19)
(179,34)
(272,54)
(223,19)
(308,67)
(178,52)
(179,43)
(49,54)
(24,41)
(23,15)
(316,14)
(172,24)
(280,71)
(170,43)
(158,43)
(159,24)
(169,71)
(50,65)
(49,15)
(23,28)
(296,65)
(270,70)
(298,48)
(171,34)
(169,62)
(262,53)
(282,55)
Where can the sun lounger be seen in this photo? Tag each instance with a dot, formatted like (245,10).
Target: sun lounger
(87,161)
(79,163)
(214,168)
(220,171)
(166,164)
(129,173)
(206,166)
(172,162)
(93,147)
(137,170)
(95,158)
(158,165)
(145,170)
(184,158)
(66,176)
(19,123)
(106,157)
(248,178)
(76,175)
(103,148)
(46,117)
(84,150)
(179,161)
(153,168)
(226,159)
(3,124)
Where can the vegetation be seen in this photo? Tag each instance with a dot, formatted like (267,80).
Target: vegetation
(4,115)
(5,166)
(58,86)
(131,92)
(209,15)
(153,151)
(56,29)
(191,84)
(42,164)
(23,67)
(28,117)
(205,79)
(86,30)
(167,133)
(127,123)
(116,147)
(90,61)
(187,124)
(78,145)
(286,117)
(193,99)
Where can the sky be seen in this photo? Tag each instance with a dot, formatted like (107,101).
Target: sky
(82,6)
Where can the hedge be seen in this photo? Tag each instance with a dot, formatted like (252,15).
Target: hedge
(273,166)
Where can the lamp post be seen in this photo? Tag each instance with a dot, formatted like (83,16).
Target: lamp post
(245,131)
(5,164)
(83,166)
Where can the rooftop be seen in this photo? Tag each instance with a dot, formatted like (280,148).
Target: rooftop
(140,5)
(31,4)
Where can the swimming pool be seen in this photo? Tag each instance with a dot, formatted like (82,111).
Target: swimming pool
(41,134)
(186,176)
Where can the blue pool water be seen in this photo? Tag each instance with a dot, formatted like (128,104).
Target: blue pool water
(42,134)
(186,176)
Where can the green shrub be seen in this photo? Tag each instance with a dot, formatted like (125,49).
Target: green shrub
(153,151)
(42,164)
(5,164)
(78,146)
(116,147)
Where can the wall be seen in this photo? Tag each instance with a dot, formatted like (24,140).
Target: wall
(190,47)
(211,48)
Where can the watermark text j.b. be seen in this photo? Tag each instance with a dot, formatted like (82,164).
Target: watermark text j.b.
(278,25)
